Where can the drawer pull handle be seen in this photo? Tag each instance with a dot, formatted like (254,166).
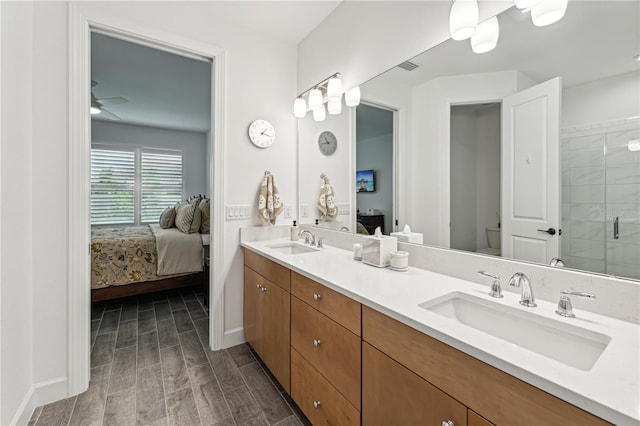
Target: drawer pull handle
(316,405)
(448,423)
(316,297)
(316,342)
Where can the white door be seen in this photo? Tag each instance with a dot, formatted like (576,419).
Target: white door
(531,173)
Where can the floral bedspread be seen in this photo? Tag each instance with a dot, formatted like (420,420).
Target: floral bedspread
(122,255)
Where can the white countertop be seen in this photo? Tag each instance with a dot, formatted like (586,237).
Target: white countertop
(610,389)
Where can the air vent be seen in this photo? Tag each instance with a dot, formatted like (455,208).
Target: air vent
(408,66)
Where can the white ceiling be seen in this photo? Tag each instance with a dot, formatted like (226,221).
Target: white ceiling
(595,39)
(170,91)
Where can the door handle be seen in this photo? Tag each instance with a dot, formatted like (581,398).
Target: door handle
(616,228)
(550,231)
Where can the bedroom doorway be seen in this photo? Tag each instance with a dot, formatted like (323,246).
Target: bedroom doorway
(146,145)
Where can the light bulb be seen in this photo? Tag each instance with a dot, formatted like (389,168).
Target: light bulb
(334,89)
(548,11)
(299,108)
(633,145)
(486,36)
(334,107)
(315,99)
(526,4)
(352,96)
(319,114)
(463,19)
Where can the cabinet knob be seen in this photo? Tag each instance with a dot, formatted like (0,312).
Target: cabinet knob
(316,405)
(448,423)
(258,286)
(316,296)
(263,289)
(316,342)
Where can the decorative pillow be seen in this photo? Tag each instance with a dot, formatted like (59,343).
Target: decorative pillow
(168,218)
(194,199)
(188,217)
(206,216)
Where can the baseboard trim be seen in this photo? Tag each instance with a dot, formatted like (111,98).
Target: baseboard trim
(233,337)
(39,394)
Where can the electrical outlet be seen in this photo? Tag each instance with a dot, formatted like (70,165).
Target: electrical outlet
(343,208)
(287,212)
(304,210)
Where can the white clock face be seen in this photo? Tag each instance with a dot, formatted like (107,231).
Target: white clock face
(327,143)
(262,133)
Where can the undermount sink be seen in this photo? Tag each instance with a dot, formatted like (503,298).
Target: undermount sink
(292,248)
(568,344)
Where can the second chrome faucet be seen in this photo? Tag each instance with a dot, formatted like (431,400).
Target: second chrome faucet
(519,279)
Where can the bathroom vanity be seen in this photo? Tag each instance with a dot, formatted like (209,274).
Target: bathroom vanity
(353,344)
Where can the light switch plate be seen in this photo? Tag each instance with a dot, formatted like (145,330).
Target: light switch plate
(237,212)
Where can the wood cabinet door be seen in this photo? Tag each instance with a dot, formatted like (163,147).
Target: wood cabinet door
(276,331)
(252,310)
(394,395)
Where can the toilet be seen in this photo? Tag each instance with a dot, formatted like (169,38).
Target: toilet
(493,237)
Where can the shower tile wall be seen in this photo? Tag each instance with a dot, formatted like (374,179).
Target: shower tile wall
(601,181)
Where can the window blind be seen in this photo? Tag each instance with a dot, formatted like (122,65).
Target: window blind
(161,183)
(112,186)
(133,185)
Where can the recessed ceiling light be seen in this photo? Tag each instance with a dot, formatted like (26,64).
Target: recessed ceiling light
(633,145)
(637,57)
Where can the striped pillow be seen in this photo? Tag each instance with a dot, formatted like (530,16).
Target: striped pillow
(168,218)
(188,217)
(206,216)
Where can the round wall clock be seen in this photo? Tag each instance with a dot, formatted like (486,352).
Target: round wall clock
(327,142)
(262,133)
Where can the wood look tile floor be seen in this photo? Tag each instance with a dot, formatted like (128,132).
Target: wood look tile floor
(150,365)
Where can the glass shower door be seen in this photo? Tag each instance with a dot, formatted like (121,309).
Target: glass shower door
(622,200)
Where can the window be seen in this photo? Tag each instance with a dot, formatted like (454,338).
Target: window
(133,185)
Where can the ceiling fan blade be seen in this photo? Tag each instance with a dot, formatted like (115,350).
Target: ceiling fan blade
(109,114)
(113,101)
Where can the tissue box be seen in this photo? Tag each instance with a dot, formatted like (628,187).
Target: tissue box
(376,251)
(408,237)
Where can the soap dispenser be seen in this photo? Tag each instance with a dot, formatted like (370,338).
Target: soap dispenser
(294,232)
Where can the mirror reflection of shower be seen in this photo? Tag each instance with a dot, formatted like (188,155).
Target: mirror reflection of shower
(475,178)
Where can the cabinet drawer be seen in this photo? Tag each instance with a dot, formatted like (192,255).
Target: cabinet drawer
(332,349)
(269,269)
(479,386)
(393,395)
(309,387)
(340,308)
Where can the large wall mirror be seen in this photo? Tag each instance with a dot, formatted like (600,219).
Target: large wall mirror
(530,151)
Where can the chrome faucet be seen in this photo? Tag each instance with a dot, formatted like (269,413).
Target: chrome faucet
(565,308)
(309,238)
(556,261)
(519,279)
(344,228)
(496,290)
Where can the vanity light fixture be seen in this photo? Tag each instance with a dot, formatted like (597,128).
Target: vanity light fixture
(299,108)
(334,89)
(463,19)
(334,107)
(328,90)
(548,11)
(352,97)
(95,109)
(319,114)
(315,99)
(486,36)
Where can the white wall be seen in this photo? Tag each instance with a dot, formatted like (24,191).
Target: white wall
(16,233)
(337,166)
(35,197)
(193,145)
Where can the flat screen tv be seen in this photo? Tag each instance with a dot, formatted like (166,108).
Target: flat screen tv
(365,181)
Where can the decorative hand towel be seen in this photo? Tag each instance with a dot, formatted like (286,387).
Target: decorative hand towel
(269,202)
(327,200)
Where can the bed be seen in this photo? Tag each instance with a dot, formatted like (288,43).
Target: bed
(130,260)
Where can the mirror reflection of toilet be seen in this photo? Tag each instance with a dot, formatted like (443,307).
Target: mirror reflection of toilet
(493,237)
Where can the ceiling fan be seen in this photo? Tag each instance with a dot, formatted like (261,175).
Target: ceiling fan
(98,105)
